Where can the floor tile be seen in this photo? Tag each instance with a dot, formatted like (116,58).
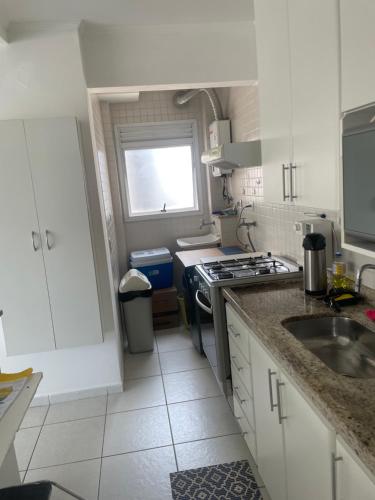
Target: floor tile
(214,451)
(24,444)
(69,442)
(34,417)
(141,365)
(178,361)
(74,410)
(136,430)
(195,384)
(138,393)
(201,419)
(80,477)
(138,476)
(173,339)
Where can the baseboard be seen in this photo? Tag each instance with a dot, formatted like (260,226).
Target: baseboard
(44,399)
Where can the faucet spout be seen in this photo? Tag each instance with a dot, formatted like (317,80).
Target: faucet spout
(358,279)
(204,223)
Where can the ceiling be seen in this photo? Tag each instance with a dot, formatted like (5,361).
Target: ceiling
(127,12)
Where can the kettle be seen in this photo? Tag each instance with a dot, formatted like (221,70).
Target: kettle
(315,272)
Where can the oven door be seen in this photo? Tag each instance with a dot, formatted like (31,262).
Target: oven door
(206,321)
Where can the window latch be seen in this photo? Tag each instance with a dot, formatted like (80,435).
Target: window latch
(163,209)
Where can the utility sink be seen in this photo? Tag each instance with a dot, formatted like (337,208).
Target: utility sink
(343,344)
(193,242)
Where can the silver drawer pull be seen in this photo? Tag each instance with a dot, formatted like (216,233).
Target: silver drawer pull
(245,433)
(278,385)
(334,475)
(48,243)
(33,236)
(241,401)
(233,331)
(238,368)
(270,374)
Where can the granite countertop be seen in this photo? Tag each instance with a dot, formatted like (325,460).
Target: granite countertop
(347,403)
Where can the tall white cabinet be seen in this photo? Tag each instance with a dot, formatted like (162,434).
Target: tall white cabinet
(48,290)
(298,70)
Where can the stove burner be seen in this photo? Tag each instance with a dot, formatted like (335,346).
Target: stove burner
(244,267)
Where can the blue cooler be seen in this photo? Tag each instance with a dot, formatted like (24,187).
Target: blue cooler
(156,264)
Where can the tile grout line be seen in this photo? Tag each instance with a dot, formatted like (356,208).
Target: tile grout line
(36,442)
(101,455)
(169,418)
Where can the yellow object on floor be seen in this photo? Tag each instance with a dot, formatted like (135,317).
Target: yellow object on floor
(11,377)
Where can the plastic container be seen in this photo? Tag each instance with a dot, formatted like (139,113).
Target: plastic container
(156,264)
(137,310)
(339,278)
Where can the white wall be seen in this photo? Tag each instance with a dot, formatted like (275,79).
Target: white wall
(168,54)
(41,76)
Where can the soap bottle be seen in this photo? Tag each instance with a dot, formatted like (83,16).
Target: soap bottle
(339,278)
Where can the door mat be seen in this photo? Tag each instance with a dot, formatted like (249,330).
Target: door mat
(232,481)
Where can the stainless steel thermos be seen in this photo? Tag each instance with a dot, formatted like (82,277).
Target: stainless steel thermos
(315,272)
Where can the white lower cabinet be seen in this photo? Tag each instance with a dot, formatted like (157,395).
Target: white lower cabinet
(351,481)
(297,453)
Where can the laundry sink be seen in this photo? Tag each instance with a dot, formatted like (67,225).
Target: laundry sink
(343,344)
(204,241)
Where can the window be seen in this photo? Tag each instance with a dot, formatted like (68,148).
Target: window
(158,164)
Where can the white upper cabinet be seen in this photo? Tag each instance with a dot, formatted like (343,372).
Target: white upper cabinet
(314,54)
(272,40)
(48,288)
(357,52)
(298,69)
(58,178)
(27,321)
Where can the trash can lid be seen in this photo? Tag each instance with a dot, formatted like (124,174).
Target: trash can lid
(134,281)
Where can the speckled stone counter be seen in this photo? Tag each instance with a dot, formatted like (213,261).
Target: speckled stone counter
(347,403)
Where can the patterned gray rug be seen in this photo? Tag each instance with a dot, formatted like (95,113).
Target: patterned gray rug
(232,481)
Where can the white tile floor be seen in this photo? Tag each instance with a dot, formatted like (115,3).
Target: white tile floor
(170,417)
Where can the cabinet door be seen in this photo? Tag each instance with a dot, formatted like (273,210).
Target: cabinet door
(24,299)
(309,445)
(269,432)
(58,177)
(314,55)
(352,481)
(357,46)
(272,40)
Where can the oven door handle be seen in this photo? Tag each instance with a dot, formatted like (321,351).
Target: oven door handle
(200,304)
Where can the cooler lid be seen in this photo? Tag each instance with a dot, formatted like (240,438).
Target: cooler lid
(151,256)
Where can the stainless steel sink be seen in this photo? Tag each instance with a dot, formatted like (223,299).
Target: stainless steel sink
(341,343)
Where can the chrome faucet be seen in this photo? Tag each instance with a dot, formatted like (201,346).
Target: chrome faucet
(204,223)
(358,278)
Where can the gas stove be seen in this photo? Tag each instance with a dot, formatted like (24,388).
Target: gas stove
(243,270)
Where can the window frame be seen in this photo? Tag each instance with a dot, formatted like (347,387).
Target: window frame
(159,143)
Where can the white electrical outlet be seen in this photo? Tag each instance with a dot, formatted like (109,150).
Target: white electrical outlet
(298,227)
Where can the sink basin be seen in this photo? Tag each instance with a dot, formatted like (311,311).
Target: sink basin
(206,240)
(343,344)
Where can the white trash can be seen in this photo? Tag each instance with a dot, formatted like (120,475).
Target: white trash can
(135,296)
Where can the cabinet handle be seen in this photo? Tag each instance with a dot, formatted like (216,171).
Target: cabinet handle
(49,246)
(242,401)
(334,475)
(293,168)
(270,373)
(285,168)
(33,235)
(233,331)
(278,385)
(245,433)
(238,368)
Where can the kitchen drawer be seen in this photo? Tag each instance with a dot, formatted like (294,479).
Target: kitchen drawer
(246,429)
(239,364)
(244,398)
(238,330)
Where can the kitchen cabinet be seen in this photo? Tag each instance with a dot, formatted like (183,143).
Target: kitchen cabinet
(299,100)
(272,40)
(357,46)
(351,481)
(49,292)
(269,433)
